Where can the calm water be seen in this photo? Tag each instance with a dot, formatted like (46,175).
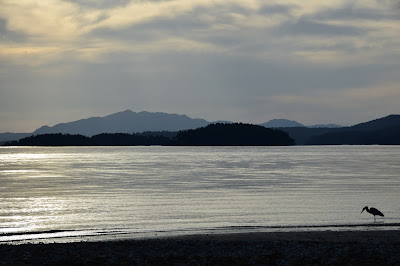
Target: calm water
(72,192)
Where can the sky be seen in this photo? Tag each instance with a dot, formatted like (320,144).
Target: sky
(246,61)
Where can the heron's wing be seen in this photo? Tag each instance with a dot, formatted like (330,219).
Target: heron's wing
(376,212)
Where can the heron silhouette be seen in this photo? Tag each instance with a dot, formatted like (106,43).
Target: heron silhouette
(372,211)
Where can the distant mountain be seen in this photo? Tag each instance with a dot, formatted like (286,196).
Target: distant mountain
(277,123)
(125,122)
(221,122)
(4,137)
(274,123)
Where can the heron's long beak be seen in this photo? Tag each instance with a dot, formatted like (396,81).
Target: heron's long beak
(362,210)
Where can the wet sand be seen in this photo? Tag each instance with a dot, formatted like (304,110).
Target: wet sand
(272,248)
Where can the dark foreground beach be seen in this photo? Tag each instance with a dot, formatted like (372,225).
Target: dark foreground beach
(276,248)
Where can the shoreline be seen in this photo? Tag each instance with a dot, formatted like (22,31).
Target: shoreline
(97,235)
(295,247)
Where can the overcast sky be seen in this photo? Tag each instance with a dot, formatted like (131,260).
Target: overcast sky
(251,61)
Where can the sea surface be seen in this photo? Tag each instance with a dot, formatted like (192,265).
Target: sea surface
(66,194)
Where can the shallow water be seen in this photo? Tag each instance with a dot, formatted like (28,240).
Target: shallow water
(92,192)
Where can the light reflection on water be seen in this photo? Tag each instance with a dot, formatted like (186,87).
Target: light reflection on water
(152,189)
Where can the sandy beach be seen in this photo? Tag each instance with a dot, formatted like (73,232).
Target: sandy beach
(272,248)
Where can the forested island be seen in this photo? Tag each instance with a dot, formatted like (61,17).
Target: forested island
(233,134)
(220,134)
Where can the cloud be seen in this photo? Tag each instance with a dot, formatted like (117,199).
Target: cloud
(381,100)
(306,30)
(309,27)
(49,20)
(248,59)
(99,4)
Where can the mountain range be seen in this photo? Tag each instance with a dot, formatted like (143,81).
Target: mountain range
(138,122)
(125,122)
(277,123)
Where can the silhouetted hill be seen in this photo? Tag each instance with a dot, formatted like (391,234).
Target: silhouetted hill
(125,122)
(121,139)
(302,135)
(383,131)
(388,136)
(167,134)
(52,140)
(274,123)
(105,139)
(378,124)
(234,134)
(212,135)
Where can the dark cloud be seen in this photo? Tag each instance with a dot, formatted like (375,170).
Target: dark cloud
(197,25)
(100,4)
(10,36)
(151,30)
(276,9)
(350,13)
(306,26)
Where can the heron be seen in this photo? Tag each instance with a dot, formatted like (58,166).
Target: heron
(372,211)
